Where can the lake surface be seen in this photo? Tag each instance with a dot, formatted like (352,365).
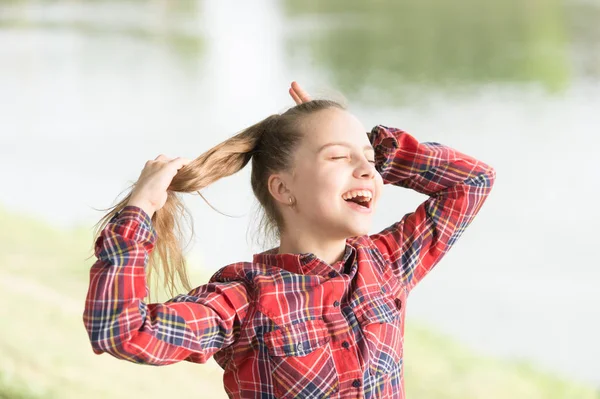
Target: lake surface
(90,91)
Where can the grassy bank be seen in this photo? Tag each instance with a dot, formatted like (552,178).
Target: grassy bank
(46,353)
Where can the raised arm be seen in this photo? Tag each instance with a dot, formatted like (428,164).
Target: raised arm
(457,186)
(188,327)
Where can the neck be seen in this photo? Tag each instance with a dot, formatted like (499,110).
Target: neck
(328,251)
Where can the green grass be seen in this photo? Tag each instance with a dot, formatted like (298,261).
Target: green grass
(46,352)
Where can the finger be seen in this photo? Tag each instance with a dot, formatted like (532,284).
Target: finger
(295,97)
(162,157)
(300,92)
(180,162)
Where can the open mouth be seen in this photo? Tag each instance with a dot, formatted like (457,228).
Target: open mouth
(361,200)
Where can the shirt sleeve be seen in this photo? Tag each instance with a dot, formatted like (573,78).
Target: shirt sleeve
(188,327)
(457,186)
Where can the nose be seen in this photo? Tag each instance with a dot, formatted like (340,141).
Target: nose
(364,170)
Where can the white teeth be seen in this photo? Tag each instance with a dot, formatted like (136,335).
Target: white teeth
(355,193)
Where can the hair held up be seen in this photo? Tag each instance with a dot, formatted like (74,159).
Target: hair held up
(270,144)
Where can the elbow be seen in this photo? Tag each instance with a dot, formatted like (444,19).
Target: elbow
(114,330)
(484,179)
(120,348)
(490,175)
(133,346)
(105,340)
(112,338)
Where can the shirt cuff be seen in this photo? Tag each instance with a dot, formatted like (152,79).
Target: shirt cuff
(384,136)
(135,213)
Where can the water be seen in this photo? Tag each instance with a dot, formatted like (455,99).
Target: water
(90,91)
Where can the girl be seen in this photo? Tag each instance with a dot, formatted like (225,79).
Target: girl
(322,314)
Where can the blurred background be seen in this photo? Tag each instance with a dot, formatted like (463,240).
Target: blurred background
(89,91)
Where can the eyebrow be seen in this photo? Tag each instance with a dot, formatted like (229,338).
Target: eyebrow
(366,148)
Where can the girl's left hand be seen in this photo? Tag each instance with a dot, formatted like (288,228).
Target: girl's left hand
(298,94)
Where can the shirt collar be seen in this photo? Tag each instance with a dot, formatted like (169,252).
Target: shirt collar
(305,263)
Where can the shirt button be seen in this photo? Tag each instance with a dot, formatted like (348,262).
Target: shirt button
(356,383)
(332,274)
(345,344)
(398,303)
(336,303)
(299,347)
(383,290)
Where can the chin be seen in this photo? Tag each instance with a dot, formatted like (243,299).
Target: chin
(356,232)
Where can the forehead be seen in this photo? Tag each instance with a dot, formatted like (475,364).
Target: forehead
(333,125)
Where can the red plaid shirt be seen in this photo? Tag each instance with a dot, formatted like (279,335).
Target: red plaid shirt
(291,325)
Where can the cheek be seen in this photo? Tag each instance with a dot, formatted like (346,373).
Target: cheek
(379,181)
(378,186)
(324,183)
(321,194)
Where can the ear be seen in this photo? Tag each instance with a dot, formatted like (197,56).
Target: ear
(278,188)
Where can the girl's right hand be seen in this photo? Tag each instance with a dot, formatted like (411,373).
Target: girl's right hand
(150,192)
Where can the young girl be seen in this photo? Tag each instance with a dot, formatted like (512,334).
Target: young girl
(322,314)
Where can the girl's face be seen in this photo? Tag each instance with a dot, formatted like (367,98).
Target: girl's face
(335,169)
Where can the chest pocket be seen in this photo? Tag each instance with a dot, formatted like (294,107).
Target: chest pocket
(301,361)
(380,321)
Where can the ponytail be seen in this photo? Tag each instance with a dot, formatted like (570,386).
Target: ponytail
(270,143)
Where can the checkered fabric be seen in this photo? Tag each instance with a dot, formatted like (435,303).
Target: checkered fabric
(291,325)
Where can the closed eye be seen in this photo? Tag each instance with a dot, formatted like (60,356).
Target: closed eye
(345,156)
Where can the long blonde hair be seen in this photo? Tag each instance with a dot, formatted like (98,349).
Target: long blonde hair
(270,144)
